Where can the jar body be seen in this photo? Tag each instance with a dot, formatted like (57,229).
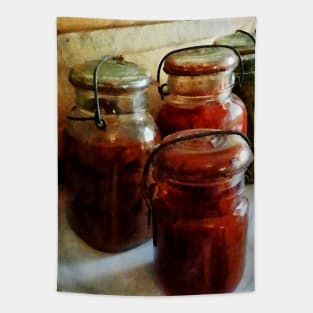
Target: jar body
(246,93)
(204,101)
(200,235)
(103,169)
(245,45)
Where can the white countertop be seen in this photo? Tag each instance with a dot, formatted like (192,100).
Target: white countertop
(84,269)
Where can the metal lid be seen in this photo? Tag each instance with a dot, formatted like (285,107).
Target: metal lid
(115,74)
(241,41)
(201,60)
(200,159)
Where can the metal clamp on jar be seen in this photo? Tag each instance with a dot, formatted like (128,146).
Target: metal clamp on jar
(108,137)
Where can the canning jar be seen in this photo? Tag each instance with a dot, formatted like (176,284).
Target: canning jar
(199,212)
(244,43)
(199,90)
(107,139)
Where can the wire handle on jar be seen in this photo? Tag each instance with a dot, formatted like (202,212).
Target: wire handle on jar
(100,122)
(165,144)
(160,88)
(246,33)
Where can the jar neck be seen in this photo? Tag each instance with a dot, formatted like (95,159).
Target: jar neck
(218,187)
(112,103)
(188,100)
(213,85)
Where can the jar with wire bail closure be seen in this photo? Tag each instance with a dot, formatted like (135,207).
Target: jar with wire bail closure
(198,92)
(194,188)
(108,137)
(244,43)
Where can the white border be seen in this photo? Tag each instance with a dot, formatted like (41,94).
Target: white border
(283,156)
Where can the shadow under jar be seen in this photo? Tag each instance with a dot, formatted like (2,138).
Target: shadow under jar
(199,213)
(199,91)
(103,166)
(244,43)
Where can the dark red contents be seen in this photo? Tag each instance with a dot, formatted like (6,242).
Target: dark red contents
(105,184)
(199,238)
(230,115)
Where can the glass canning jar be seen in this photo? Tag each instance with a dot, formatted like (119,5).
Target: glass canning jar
(107,139)
(200,215)
(244,43)
(200,82)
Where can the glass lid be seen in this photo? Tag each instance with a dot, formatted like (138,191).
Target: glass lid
(114,74)
(198,159)
(201,60)
(241,41)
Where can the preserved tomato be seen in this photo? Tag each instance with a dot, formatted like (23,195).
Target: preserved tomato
(244,43)
(103,166)
(104,179)
(200,82)
(230,115)
(200,215)
(200,245)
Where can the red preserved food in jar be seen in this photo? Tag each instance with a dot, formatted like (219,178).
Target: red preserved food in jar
(244,43)
(200,81)
(103,166)
(199,213)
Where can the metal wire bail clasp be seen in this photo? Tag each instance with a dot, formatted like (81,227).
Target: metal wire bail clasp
(160,87)
(245,33)
(100,123)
